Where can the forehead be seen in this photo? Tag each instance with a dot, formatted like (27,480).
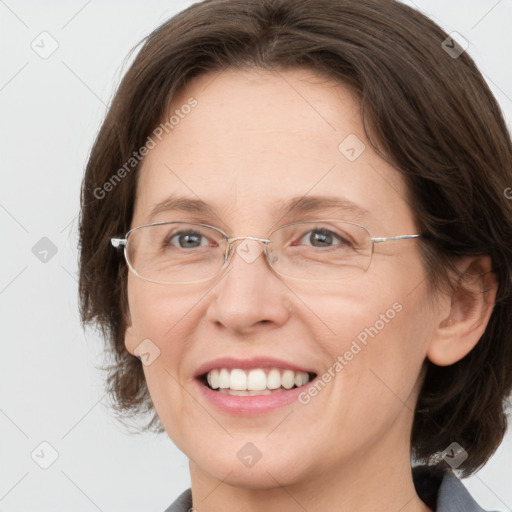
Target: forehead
(256,139)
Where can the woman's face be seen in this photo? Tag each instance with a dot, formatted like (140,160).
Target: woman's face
(256,141)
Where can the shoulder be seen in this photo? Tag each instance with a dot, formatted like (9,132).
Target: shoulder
(183,503)
(442,490)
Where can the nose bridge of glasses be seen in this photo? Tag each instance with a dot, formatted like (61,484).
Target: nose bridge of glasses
(247,247)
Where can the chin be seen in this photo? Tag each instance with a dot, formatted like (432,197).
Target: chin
(241,464)
(259,477)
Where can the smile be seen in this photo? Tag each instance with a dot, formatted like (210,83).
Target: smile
(252,386)
(254,382)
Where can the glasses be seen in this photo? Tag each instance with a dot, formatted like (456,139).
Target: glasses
(189,252)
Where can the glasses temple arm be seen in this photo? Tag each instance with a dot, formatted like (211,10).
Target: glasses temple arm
(117,242)
(391,238)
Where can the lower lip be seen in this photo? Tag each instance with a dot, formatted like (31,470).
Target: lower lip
(250,405)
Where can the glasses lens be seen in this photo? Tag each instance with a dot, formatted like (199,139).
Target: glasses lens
(175,252)
(320,250)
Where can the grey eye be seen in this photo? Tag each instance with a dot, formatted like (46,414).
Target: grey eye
(188,240)
(321,238)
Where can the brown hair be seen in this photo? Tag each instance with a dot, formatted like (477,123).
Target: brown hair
(429,113)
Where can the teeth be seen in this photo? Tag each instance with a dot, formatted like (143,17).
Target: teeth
(213,379)
(238,380)
(288,379)
(223,378)
(254,382)
(273,379)
(245,392)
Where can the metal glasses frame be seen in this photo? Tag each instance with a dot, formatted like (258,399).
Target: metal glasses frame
(122,242)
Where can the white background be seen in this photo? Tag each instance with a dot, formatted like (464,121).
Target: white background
(50,390)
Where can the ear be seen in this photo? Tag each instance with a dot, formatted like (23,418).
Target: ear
(464,318)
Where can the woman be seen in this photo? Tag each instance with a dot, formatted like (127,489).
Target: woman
(311,199)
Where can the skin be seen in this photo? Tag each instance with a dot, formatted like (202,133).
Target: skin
(256,138)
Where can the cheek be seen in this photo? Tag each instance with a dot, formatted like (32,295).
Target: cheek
(176,411)
(162,313)
(377,344)
(167,318)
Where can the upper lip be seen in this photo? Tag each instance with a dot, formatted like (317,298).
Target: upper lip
(247,364)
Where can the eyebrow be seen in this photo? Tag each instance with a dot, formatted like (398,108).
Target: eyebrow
(295,206)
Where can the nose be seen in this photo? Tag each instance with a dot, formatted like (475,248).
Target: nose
(249,296)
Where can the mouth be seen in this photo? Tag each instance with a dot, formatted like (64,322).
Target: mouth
(255,381)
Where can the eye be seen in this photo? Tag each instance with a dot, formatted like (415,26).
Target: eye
(322,238)
(188,240)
